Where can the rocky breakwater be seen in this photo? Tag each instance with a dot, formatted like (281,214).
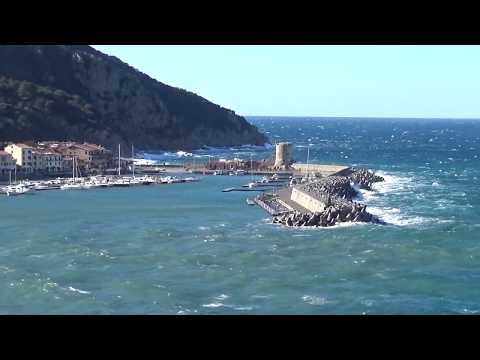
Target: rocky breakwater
(337,194)
(364,178)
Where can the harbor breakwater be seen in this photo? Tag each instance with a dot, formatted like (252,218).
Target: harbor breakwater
(336,194)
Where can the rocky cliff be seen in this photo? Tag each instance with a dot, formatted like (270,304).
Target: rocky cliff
(79,93)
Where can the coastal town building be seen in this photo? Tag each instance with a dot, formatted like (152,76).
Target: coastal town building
(88,156)
(52,157)
(47,161)
(7,163)
(23,156)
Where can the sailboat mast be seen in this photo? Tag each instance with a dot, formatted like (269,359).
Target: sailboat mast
(15,174)
(133,164)
(118,159)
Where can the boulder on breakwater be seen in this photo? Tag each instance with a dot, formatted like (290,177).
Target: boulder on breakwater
(337,193)
(364,178)
(328,217)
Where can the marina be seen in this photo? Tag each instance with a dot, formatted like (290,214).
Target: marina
(87,183)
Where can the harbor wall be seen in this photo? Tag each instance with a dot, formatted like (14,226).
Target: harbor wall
(307,201)
(326,170)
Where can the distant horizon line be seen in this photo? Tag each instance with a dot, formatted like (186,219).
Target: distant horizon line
(359,117)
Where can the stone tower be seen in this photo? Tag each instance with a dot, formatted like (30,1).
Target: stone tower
(282,154)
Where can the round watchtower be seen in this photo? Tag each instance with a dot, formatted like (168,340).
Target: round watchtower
(282,154)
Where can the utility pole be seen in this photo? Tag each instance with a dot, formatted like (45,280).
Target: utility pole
(308,159)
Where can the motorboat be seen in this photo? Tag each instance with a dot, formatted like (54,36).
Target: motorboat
(121,183)
(147,180)
(16,190)
(40,187)
(174,180)
(72,186)
(191,179)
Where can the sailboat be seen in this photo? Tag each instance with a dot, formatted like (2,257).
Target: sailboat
(14,190)
(73,185)
(252,184)
(120,182)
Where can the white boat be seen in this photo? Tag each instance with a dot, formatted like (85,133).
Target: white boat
(174,180)
(40,187)
(170,180)
(121,183)
(252,185)
(144,162)
(16,190)
(191,179)
(147,180)
(72,186)
(74,183)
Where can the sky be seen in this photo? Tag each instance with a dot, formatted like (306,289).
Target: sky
(319,80)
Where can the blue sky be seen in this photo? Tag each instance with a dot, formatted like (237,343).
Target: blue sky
(363,81)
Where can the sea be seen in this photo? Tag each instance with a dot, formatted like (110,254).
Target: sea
(190,249)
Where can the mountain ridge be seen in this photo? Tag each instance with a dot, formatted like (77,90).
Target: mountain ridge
(114,101)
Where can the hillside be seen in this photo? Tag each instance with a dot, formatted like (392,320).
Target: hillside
(79,93)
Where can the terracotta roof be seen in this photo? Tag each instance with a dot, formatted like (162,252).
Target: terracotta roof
(23,146)
(94,146)
(44,151)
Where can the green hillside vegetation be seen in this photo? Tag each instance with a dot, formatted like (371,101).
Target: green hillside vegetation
(78,93)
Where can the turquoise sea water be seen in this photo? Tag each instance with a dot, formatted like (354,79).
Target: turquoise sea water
(191,249)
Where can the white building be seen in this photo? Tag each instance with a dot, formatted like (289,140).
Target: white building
(23,156)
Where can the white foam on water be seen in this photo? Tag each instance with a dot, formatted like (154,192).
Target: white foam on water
(5,269)
(363,195)
(261,296)
(395,217)
(221,297)
(71,288)
(243,308)
(315,300)
(213,305)
(367,302)
(392,183)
